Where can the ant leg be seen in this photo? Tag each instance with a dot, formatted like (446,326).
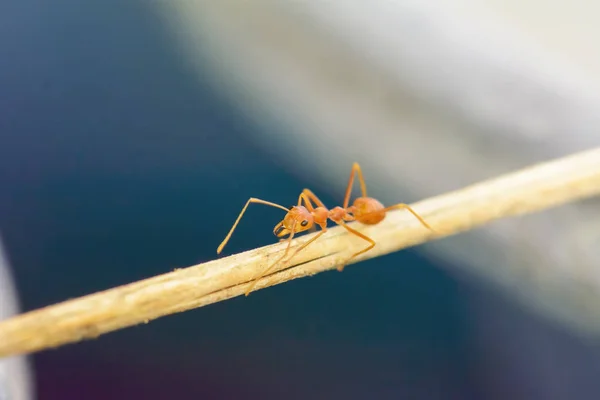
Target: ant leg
(306,200)
(360,235)
(408,208)
(363,187)
(312,197)
(309,198)
(266,270)
(251,200)
(312,229)
(324,229)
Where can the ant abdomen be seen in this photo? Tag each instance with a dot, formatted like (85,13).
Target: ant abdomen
(368,211)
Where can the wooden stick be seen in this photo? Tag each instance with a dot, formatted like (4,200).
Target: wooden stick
(532,189)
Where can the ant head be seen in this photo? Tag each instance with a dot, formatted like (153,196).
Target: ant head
(298,219)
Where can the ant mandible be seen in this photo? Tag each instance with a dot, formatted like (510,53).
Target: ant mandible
(300,218)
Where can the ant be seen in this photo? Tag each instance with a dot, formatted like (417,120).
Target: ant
(300,218)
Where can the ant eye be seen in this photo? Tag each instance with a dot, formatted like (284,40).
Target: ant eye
(304,223)
(291,207)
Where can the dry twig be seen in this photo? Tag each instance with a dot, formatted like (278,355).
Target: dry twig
(532,189)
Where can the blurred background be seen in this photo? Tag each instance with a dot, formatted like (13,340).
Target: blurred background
(132,132)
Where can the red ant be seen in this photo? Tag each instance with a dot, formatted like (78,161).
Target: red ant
(300,218)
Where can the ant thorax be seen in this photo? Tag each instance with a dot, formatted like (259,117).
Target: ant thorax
(320,215)
(337,214)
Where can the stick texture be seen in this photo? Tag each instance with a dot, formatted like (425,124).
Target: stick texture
(529,190)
